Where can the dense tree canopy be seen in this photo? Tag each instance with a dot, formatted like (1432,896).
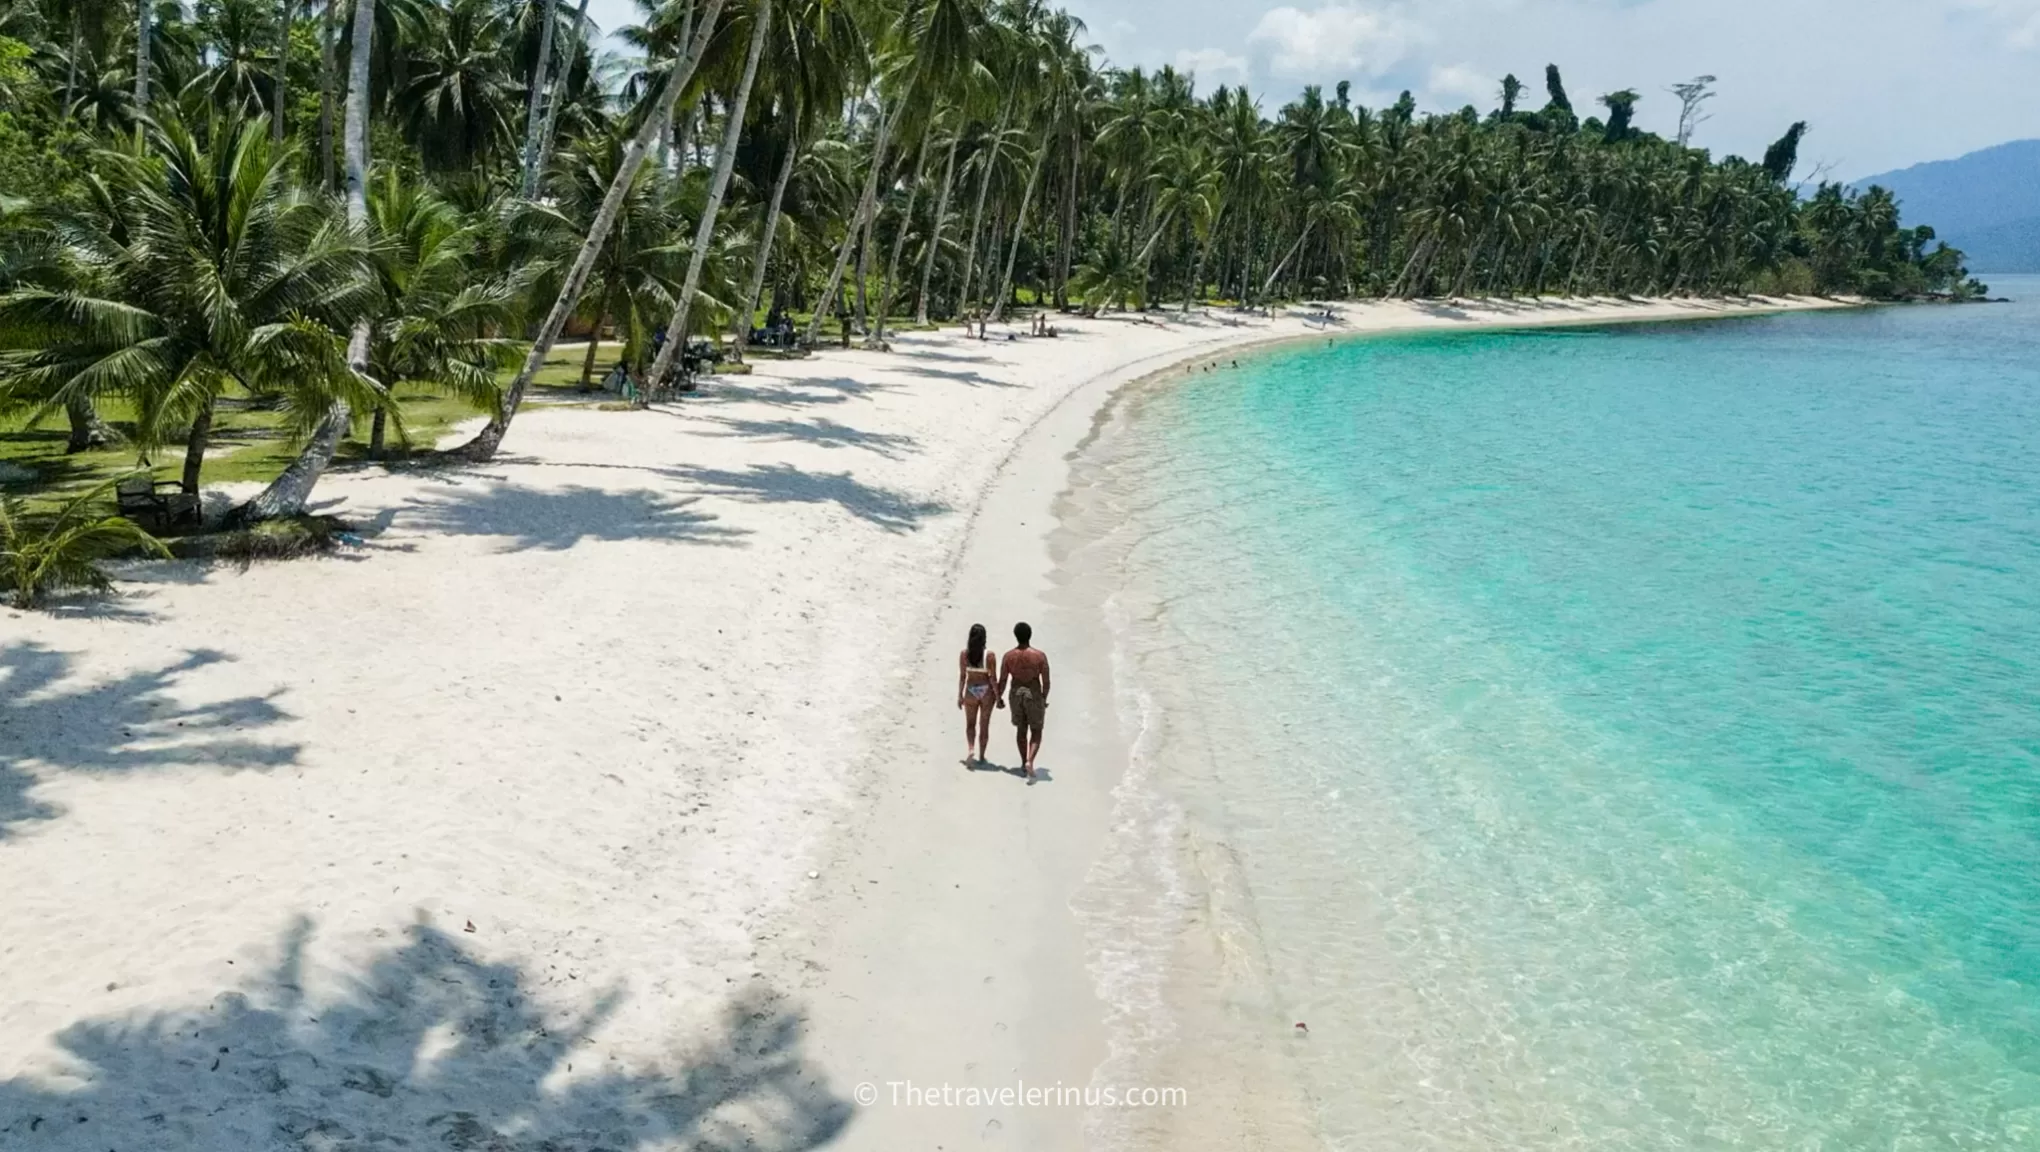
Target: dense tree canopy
(172,225)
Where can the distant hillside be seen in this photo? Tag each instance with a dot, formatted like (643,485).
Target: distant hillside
(1986,203)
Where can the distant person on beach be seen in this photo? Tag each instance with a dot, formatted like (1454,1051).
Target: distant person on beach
(1025,669)
(977,673)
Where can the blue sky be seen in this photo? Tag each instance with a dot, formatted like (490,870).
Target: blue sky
(1885,83)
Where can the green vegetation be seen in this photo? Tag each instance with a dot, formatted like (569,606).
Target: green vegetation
(63,551)
(246,239)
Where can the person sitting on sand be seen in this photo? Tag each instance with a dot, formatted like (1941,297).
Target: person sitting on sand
(1026,669)
(977,670)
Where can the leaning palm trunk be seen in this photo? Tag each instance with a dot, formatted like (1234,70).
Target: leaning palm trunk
(704,232)
(977,215)
(483,446)
(740,325)
(863,279)
(934,243)
(282,71)
(286,495)
(143,35)
(673,143)
(558,97)
(885,127)
(892,265)
(539,69)
(1276,273)
(1019,233)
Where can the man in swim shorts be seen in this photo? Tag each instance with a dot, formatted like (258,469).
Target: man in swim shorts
(1025,668)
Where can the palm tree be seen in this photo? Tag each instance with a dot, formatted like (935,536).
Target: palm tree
(726,159)
(287,494)
(456,110)
(533,125)
(64,552)
(483,446)
(635,278)
(555,99)
(436,314)
(212,272)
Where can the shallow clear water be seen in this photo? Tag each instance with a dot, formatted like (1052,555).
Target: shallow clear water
(1625,738)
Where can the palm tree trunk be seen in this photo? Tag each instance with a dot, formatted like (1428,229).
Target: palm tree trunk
(87,429)
(725,160)
(977,216)
(864,242)
(327,68)
(885,127)
(594,343)
(286,495)
(934,244)
(144,15)
(993,247)
(1019,230)
(483,446)
(539,70)
(282,70)
(899,244)
(740,338)
(559,96)
(1203,254)
(1069,227)
(71,63)
(1277,272)
(194,448)
(673,143)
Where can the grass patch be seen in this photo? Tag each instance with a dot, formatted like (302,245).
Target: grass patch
(250,442)
(287,539)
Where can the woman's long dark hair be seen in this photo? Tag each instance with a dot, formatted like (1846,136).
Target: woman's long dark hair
(974,652)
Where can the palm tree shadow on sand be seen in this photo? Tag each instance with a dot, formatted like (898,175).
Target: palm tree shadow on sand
(51,725)
(430,1047)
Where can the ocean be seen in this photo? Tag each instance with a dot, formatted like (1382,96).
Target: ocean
(1603,738)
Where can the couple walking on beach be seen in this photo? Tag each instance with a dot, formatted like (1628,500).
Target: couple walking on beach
(982,683)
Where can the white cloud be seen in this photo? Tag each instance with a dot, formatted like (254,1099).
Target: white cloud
(1334,37)
(1457,85)
(1211,65)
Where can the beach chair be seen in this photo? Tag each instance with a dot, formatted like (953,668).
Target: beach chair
(142,500)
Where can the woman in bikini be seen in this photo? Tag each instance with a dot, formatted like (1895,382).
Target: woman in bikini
(977,670)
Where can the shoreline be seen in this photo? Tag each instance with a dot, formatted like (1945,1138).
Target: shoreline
(579,724)
(1013,557)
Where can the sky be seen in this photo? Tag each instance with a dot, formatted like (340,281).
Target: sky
(1884,83)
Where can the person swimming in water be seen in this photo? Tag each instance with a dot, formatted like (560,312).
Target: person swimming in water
(977,673)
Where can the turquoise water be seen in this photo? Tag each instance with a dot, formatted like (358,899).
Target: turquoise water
(1623,738)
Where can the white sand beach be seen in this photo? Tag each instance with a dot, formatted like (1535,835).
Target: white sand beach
(609,795)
